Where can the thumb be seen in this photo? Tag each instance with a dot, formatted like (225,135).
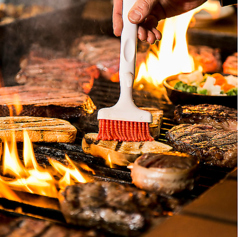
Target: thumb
(140,10)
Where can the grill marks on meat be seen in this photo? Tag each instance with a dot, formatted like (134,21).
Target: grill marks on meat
(45,102)
(117,208)
(218,116)
(67,73)
(213,146)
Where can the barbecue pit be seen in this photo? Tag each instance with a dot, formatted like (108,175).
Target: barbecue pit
(50,222)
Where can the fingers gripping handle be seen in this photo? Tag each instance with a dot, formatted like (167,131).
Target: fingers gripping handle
(128,46)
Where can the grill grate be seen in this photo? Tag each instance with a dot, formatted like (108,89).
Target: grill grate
(105,94)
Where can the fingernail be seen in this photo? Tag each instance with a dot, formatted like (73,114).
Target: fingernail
(135,16)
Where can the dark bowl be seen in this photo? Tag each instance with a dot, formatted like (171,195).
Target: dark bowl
(180,97)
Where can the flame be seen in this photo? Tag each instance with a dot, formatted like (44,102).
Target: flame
(11,162)
(72,170)
(29,176)
(65,180)
(171,56)
(17,105)
(109,162)
(7,193)
(212,7)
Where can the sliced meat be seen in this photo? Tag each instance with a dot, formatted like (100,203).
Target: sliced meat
(116,208)
(67,73)
(44,102)
(230,65)
(208,58)
(218,116)
(213,146)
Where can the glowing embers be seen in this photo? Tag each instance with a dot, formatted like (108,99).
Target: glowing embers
(29,176)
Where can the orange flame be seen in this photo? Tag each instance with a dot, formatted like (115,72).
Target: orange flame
(171,57)
(17,105)
(7,193)
(30,176)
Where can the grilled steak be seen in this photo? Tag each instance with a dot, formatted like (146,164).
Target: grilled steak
(102,51)
(218,116)
(230,65)
(65,73)
(117,208)
(213,146)
(45,102)
(208,58)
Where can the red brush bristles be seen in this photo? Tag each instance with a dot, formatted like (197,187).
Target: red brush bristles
(123,131)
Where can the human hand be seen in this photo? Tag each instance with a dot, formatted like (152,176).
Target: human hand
(147,14)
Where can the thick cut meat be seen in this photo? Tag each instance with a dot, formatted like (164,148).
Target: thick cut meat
(38,54)
(166,172)
(213,146)
(102,51)
(117,208)
(64,73)
(230,65)
(207,57)
(218,116)
(44,102)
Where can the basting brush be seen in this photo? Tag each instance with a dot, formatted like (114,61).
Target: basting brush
(125,121)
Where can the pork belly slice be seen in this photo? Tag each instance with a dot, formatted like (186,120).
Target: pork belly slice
(213,146)
(116,208)
(218,116)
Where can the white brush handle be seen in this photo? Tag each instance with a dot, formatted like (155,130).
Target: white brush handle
(125,109)
(128,51)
